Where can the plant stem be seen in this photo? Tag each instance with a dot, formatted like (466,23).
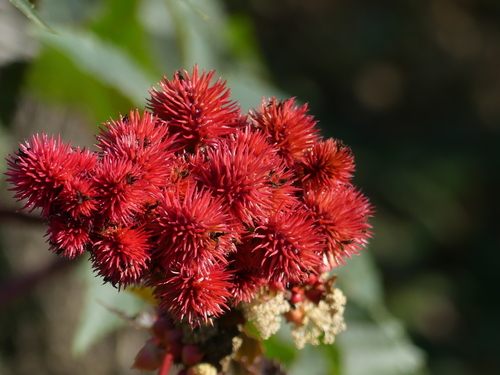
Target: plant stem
(168,360)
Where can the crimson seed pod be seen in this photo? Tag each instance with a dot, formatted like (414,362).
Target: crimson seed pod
(162,324)
(312,279)
(296,298)
(314,295)
(160,329)
(324,268)
(174,335)
(149,357)
(191,355)
(276,285)
(175,348)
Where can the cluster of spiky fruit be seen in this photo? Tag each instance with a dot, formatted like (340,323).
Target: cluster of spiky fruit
(197,200)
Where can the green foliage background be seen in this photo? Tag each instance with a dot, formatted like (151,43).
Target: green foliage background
(413,87)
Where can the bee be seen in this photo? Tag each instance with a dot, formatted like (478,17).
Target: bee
(21,154)
(130,179)
(180,75)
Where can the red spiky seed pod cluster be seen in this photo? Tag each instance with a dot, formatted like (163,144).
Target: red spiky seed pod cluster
(197,201)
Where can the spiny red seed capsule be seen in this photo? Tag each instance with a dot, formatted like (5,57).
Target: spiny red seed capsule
(198,112)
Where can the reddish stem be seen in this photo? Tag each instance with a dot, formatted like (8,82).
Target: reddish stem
(168,360)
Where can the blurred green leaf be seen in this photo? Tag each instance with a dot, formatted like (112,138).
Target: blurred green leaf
(331,354)
(196,10)
(132,39)
(284,352)
(380,345)
(97,321)
(29,11)
(310,361)
(323,359)
(199,40)
(54,79)
(378,349)
(242,43)
(360,281)
(104,61)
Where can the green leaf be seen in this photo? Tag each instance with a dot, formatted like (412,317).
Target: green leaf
(378,349)
(311,361)
(132,39)
(241,38)
(96,320)
(54,80)
(331,354)
(193,7)
(29,11)
(380,345)
(198,40)
(275,348)
(361,282)
(104,61)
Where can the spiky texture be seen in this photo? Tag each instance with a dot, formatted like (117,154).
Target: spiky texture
(199,112)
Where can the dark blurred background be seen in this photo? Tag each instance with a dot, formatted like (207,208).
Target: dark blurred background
(412,86)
